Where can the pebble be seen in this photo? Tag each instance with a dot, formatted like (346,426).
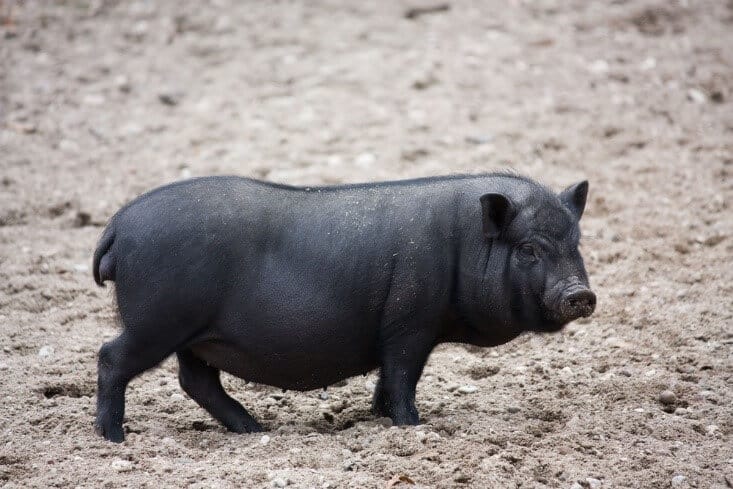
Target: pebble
(94,99)
(68,145)
(280,482)
(365,160)
(599,66)
(696,96)
(81,267)
(45,351)
(680,411)
(576,485)
(122,465)
(177,397)
(169,98)
(467,389)
(593,483)
(679,481)
(123,84)
(264,440)
(323,395)
(667,397)
(384,421)
(451,387)
(512,409)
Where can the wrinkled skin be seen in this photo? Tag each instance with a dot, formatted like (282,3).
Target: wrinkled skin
(300,288)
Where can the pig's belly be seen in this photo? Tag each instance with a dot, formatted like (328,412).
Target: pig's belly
(294,369)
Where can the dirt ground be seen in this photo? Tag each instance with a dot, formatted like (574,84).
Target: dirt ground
(101,100)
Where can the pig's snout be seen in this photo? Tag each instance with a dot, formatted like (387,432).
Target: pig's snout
(576,302)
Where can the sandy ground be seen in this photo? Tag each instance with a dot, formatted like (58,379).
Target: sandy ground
(101,100)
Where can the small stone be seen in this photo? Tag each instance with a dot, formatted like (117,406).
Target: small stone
(384,421)
(696,96)
(679,481)
(593,483)
(169,98)
(667,397)
(451,387)
(680,411)
(280,482)
(45,351)
(348,465)
(123,84)
(94,100)
(576,485)
(323,395)
(512,409)
(365,160)
(599,66)
(648,64)
(467,389)
(68,145)
(122,465)
(81,267)
(264,440)
(177,397)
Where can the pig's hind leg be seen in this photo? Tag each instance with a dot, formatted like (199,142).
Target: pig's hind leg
(120,360)
(202,383)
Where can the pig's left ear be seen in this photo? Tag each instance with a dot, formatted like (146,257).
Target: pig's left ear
(574,198)
(497,212)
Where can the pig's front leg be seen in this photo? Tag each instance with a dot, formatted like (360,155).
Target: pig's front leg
(402,362)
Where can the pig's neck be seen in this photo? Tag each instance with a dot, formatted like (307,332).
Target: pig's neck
(458,330)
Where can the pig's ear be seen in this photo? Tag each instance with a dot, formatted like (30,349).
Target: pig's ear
(497,211)
(574,197)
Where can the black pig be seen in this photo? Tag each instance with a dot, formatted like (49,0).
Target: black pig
(301,287)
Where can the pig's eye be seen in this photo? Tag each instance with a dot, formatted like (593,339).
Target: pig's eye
(528,253)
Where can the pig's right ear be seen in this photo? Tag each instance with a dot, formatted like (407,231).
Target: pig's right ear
(497,211)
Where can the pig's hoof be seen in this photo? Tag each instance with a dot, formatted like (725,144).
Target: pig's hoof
(246,426)
(112,433)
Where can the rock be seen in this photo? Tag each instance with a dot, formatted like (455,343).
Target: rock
(45,351)
(479,139)
(94,100)
(384,421)
(593,483)
(122,465)
(280,482)
(467,389)
(81,267)
(667,398)
(68,145)
(348,465)
(648,64)
(169,98)
(264,440)
(365,160)
(323,395)
(680,411)
(177,397)
(451,387)
(512,409)
(576,485)
(679,481)
(599,66)
(696,96)
(123,84)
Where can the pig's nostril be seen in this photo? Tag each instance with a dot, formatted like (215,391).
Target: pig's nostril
(579,303)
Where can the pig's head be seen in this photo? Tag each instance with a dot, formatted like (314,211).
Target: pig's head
(532,276)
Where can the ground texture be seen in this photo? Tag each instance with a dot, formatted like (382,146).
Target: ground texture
(102,100)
